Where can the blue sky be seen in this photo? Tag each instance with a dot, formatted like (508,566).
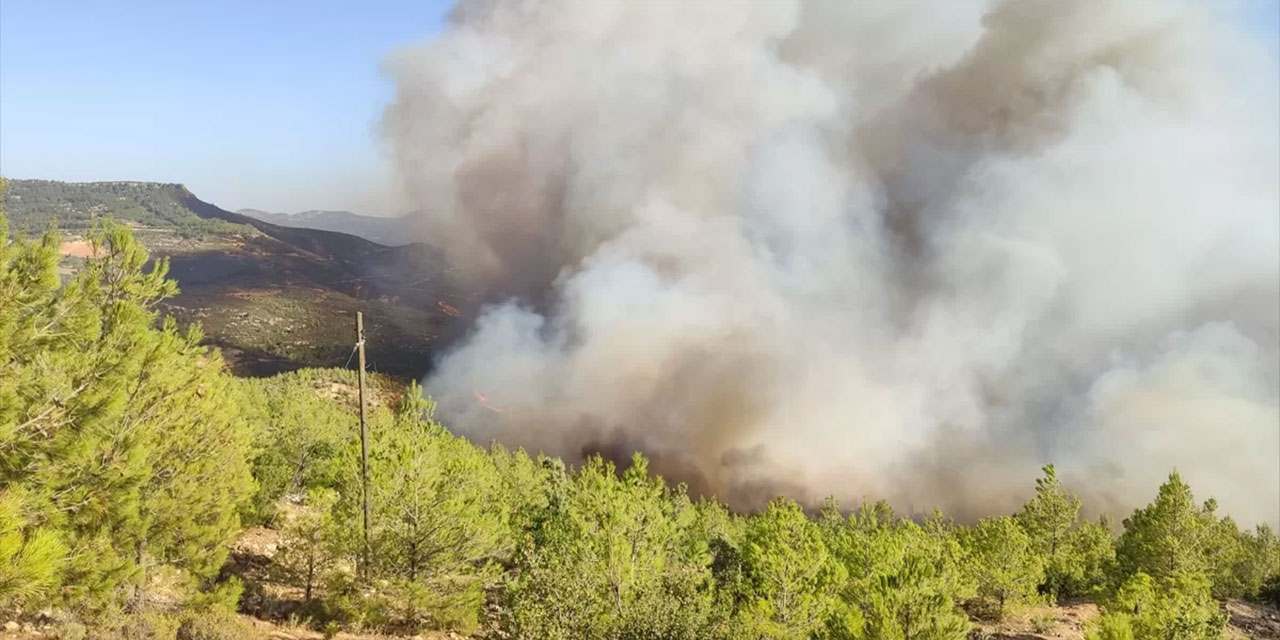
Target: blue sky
(269,104)
(265,103)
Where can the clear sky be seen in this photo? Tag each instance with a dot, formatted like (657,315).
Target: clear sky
(270,104)
(251,103)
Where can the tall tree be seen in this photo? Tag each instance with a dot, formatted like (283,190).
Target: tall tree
(1048,519)
(121,432)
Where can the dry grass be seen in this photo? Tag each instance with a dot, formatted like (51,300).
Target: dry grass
(1066,621)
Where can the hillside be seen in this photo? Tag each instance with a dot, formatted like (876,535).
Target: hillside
(152,495)
(391,232)
(273,297)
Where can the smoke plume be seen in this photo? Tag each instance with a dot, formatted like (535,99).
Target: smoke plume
(898,250)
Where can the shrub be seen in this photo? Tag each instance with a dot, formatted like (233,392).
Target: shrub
(141,626)
(1178,607)
(1043,623)
(1113,626)
(216,625)
(1270,591)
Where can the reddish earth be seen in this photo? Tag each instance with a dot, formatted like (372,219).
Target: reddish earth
(76,249)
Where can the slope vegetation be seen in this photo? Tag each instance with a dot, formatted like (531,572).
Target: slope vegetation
(273,297)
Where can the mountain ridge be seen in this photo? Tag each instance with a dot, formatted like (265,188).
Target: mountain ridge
(390,231)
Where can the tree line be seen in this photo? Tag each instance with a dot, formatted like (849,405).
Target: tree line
(130,459)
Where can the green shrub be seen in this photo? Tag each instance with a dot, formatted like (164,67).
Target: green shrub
(71,631)
(1178,607)
(1043,623)
(1270,592)
(138,626)
(1112,626)
(215,625)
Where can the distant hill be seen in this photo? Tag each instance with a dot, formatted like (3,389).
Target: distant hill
(389,231)
(273,297)
(32,205)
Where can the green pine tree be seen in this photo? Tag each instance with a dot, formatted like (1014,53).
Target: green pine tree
(614,557)
(1177,607)
(438,529)
(906,578)
(1048,519)
(31,557)
(1004,563)
(118,427)
(1087,559)
(310,542)
(795,578)
(1167,537)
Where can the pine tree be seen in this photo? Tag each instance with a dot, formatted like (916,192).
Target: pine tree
(1178,607)
(437,528)
(906,604)
(1087,561)
(31,558)
(305,437)
(120,432)
(1005,565)
(1048,519)
(523,485)
(310,542)
(794,577)
(1260,562)
(614,557)
(1168,536)
(906,578)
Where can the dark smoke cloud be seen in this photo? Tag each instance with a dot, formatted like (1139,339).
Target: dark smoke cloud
(900,250)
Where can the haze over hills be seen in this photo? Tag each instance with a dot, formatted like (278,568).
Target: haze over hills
(273,297)
(391,231)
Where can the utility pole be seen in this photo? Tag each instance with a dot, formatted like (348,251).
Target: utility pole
(364,449)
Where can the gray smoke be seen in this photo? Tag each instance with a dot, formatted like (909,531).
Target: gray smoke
(900,250)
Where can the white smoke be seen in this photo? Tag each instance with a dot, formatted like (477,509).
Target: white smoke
(901,250)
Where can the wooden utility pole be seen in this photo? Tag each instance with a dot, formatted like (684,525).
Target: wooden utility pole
(364,449)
